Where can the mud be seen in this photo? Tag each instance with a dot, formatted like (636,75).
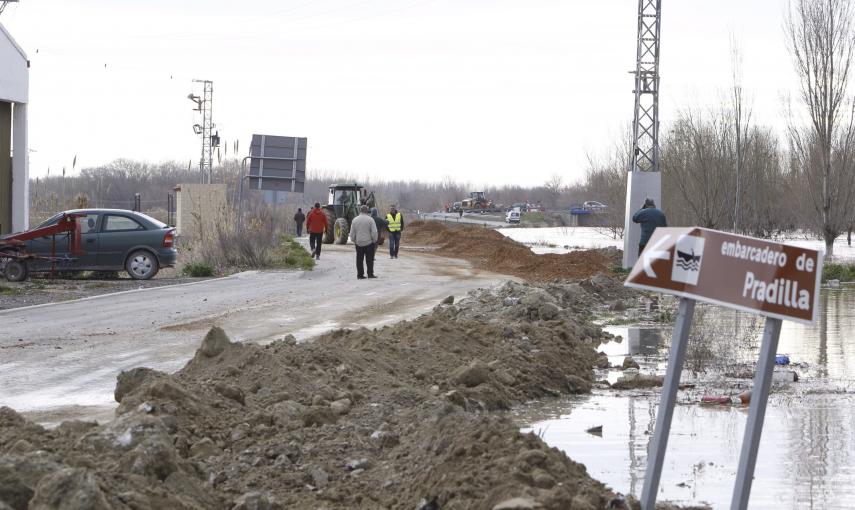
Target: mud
(407,416)
(488,249)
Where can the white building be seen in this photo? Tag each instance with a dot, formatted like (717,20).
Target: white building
(14,171)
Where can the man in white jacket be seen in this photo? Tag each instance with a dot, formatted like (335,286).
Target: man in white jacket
(363,233)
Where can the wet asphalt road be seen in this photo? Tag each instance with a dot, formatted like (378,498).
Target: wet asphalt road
(60,360)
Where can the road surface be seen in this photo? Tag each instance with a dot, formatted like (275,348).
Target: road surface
(60,361)
(487,220)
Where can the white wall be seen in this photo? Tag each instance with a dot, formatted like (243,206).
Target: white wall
(14,88)
(14,75)
(20,169)
(640,185)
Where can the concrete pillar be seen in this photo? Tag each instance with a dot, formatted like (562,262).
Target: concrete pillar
(20,170)
(639,185)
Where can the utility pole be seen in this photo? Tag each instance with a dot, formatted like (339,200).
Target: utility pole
(204,106)
(644,179)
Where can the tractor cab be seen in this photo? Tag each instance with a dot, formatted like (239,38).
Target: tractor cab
(345,200)
(342,206)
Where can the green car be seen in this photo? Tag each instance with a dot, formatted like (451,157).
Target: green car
(113,240)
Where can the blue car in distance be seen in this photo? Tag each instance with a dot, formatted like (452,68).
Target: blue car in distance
(113,240)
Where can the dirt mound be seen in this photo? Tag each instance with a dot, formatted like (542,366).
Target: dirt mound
(488,249)
(400,417)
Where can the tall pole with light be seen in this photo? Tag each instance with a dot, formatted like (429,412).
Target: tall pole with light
(205,130)
(644,179)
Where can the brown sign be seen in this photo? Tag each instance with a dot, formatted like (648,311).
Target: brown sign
(773,279)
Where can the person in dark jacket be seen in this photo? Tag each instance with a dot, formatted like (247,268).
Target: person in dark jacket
(299,218)
(649,217)
(381,224)
(316,224)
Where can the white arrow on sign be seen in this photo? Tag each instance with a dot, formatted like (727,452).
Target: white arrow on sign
(654,253)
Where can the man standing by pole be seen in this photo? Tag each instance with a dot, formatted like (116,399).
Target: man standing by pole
(363,233)
(316,224)
(396,225)
(650,217)
(299,218)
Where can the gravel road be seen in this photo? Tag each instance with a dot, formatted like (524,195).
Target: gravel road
(59,361)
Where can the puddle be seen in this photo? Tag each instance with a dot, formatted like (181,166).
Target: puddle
(807,452)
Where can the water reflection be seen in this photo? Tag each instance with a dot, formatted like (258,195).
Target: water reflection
(807,452)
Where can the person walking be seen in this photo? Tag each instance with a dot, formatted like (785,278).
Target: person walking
(396,225)
(381,224)
(299,218)
(363,233)
(649,217)
(316,225)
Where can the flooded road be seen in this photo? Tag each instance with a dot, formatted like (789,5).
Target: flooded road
(807,452)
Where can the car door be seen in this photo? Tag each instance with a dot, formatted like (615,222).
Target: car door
(44,246)
(119,233)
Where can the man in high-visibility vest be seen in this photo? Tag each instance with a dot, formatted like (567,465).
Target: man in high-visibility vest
(395,220)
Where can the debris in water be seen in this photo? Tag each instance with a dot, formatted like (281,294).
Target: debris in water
(596,431)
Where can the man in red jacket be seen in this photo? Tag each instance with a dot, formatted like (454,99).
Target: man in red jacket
(316,225)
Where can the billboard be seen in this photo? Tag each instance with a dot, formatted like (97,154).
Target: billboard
(277,163)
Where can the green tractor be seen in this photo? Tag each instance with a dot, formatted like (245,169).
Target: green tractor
(342,206)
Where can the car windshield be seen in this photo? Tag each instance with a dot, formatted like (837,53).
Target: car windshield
(50,221)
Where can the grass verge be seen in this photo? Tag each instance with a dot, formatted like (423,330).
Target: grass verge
(197,269)
(291,255)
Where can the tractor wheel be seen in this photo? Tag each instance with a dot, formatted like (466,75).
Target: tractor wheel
(16,271)
(329,233)
(342,230)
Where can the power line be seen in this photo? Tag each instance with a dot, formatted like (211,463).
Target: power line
(4,3)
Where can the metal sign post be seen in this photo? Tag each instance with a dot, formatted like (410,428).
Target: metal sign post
(777,280)
(756,413)
(666,407)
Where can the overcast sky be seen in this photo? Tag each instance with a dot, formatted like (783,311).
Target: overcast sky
(488,91)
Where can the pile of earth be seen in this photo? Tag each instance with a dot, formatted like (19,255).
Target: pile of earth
(407,416)
(489,249)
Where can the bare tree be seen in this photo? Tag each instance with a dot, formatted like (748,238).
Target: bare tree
(698,168)
(606,182)
(741,119)
(822,39)
(554,186)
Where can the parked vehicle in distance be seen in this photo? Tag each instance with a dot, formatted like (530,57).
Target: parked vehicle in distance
(513,216)
(593,205)
(519,206)
(113,240)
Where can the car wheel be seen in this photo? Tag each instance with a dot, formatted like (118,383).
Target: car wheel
(141,265)
(16,271)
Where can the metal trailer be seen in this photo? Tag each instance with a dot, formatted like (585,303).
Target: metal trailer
(13,248)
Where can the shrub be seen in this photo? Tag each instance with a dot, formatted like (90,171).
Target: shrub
(291,254)
(842,272)
(197,269)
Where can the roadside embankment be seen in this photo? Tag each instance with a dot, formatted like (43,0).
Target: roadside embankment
(488,249)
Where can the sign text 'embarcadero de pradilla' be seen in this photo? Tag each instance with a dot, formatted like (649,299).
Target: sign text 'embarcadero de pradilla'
(749,274)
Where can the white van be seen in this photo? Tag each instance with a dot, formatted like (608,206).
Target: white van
(513,216)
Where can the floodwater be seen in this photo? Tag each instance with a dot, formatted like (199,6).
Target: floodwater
(807,451)
(565,239)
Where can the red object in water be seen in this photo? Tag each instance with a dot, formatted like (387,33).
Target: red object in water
(743,398)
